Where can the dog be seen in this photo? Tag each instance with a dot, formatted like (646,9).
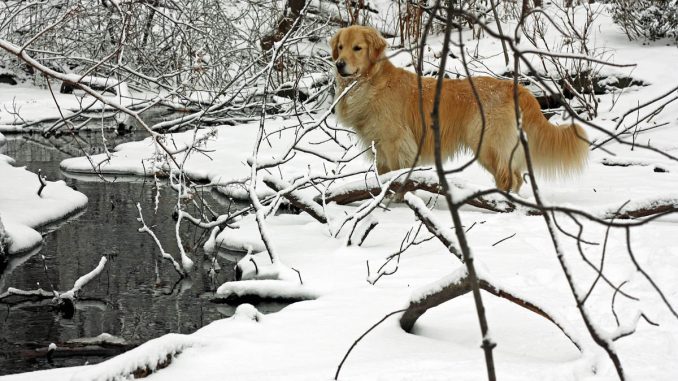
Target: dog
(383,107)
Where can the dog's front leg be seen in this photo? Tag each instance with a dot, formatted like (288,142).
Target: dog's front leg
(382,168)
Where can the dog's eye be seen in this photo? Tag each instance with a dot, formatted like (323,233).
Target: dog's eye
(340,47)
(357,48)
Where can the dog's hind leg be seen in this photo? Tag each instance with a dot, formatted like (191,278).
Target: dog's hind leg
(507,172)
(508,179)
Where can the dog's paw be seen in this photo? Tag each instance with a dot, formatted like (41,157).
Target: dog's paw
(524,192)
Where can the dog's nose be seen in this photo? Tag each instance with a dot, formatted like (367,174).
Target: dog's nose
(340,65)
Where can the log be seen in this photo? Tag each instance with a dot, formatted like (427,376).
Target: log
(656,207)
(369,190)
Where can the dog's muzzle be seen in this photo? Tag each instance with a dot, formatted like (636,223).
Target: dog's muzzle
(341,67)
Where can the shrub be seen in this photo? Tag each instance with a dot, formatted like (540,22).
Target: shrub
(647,19)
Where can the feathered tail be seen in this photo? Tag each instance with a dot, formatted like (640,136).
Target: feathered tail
(555,150)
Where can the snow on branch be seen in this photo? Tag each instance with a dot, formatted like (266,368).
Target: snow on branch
(432,224)
(25,294)
(140,361)
(362,230)
(457,284)
(644,209)
(13,294)
(296,198)
(83,280)
(163,254)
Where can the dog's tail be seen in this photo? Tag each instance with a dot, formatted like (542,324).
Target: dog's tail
(555,150)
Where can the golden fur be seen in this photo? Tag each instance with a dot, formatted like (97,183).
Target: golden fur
(383,107)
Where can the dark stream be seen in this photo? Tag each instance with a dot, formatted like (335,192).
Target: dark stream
(130,299)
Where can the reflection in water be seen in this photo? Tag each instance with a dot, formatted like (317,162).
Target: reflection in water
(136,297)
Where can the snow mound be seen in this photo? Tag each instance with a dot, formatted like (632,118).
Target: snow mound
(22,210)
(265,289)
(149,357)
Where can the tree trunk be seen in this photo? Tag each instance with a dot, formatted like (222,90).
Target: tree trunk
(292,11)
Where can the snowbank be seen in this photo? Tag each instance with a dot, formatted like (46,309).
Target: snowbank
(225,163)
(24,104)
(22,210)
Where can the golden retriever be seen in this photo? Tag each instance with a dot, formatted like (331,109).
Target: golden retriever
(383,107)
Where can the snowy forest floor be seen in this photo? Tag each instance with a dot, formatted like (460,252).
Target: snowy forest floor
(307,340)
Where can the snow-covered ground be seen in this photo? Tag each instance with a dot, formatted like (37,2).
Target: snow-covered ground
(308,339)
(25,105)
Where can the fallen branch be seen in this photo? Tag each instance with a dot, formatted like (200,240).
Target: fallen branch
(654,207)
(364,210)
(504,239)
(15,296)
(79,348)
(362,230)
(459,284)
(408,241)
(350,194)
(296,198)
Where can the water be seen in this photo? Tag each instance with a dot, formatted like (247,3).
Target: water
(130,299)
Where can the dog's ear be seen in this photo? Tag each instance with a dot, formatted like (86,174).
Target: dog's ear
(333,44)
(376,43)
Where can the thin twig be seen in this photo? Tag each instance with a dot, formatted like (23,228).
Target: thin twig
(375,325)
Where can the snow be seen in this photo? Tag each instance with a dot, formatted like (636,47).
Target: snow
(260,267)
(266,289)
(454,278)
(28,104)
(22,237)
(235,240)
(306,340)
(23,212)
(222,165)
(104,338)
(149,355)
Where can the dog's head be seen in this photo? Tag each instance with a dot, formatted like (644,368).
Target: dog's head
(356,49)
